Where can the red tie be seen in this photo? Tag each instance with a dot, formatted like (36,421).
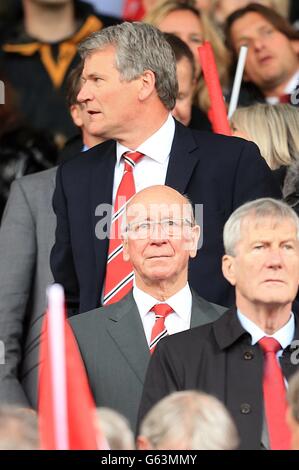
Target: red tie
(284,98)
(159,330)
(119,273)
(274,396)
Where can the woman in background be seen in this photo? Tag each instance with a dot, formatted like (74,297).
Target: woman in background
(275,130)
(193,27)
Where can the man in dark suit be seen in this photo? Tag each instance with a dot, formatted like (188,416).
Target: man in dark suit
(131,102)
(245,357)
(115,341)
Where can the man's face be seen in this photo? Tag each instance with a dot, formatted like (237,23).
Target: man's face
(110,101)
(183,106)
(186,25)
(156,254)
(271,59)
(265,268)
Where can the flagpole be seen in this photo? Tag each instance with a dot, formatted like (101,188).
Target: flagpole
(56,319)
(237,81)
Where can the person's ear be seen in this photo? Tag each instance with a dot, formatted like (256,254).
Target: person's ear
(194,241)
(147,84)
(143,443)
(124,238)
(229,269)
(76,115)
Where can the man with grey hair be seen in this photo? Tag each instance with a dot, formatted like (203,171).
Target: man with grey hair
(188,421)
(129,88)
(293,410)
(244,358)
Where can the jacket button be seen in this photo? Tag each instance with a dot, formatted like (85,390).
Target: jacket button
(245,408)
(248,355)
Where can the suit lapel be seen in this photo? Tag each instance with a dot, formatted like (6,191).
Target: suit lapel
(198,315)
(126,329)
(182,159)
(102,176)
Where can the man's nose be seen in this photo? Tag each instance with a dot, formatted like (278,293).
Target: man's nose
(84,93)
(158,234)
(275,258)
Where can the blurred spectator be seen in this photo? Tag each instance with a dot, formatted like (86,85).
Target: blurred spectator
(193,27)
(223,8)
(23,150)
(275,130)
(18,429)
(37,53)
(183,111)
(116,429)
(293,411)
(272,65)
(188,421)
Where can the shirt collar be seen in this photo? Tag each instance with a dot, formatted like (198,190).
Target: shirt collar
(290,87)
(157,146)
(181,302)
(284,336)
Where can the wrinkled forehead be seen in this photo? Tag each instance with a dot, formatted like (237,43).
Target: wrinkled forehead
(259,225)
(158,211)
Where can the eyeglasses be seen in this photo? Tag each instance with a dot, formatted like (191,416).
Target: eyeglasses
(171,227)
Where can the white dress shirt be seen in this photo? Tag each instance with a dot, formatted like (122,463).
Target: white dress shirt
(152,168)
(179,320)
(284,336)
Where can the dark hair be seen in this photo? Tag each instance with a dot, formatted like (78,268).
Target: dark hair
(73,84)
(180,49)
(277,21)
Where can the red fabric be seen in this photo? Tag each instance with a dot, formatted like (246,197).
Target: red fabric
(274,396)
(159,330)
(133,10)
(217,113)
(80,405)
(285,99)
(119,273)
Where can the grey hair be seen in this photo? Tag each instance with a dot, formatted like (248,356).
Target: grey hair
(115,428)
(260,208)
(197,420)
(18,428)
(293,396)
(139,47)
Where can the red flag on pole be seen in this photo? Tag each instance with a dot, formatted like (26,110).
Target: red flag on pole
(66,406)
(217,113)
(133,10)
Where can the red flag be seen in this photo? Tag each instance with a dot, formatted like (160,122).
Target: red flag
(66,406)
(217,113)
(133,10)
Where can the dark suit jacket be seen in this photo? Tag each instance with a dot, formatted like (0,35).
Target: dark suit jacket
(116,354)
(218,359)
(217,171)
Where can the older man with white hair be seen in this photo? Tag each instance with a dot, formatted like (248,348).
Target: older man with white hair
(246,357)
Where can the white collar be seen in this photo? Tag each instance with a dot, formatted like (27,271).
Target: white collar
(290,87)
(157,146)
(181,302)
(284,336)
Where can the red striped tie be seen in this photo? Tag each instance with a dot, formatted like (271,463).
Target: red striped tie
(159,330)
(119,273)
(275,401)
